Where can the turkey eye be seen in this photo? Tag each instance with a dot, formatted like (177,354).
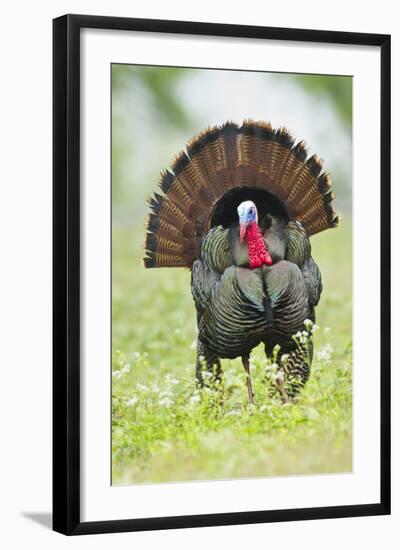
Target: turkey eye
(267,222)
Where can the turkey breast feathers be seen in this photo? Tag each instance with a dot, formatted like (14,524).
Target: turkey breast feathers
(229,296)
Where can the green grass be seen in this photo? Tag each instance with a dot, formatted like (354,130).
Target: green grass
(163,429)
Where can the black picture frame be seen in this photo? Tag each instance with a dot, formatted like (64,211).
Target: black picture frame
(66,273)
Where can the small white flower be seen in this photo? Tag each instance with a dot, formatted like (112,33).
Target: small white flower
(141,387)
(322,355)
(166,402)
(116,373)
(308,324)
(132,401)
(314,329)
(284,358)
(325,353)
(234,412)
(298,334)
(194,399)
(278,376)
(170,380)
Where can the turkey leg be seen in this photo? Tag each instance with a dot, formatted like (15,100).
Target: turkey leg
(282,391)
(246,365)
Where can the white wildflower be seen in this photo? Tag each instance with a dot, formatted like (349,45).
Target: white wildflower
(116,373)
(234,412)
(142,387)
(325,353)
(271,367)
(171,380)
(284,358)
(278,376)
(231,379)
(166,402)
(132,401)
(314,329)
(194,399)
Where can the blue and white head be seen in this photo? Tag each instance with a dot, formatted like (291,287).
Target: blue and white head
(247,211)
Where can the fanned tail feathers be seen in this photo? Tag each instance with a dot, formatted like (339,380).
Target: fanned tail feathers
(223,158)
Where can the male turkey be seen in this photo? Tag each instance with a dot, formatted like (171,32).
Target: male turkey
(238,208)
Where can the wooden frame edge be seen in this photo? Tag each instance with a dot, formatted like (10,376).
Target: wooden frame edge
(66,274)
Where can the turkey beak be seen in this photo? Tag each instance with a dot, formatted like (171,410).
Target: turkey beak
(243,227)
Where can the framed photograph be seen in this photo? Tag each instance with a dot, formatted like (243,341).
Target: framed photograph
(221,293)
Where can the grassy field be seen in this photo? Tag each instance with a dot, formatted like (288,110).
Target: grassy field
(163,429)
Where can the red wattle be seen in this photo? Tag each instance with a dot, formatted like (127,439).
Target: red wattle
(258,252)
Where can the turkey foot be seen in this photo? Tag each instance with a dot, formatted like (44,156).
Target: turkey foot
(246,365)
(282,391)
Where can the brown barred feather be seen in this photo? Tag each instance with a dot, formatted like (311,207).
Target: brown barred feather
(222,158)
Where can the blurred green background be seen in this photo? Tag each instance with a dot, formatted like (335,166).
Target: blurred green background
(163,430)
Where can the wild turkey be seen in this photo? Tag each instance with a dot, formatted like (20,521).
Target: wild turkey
(237,209)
